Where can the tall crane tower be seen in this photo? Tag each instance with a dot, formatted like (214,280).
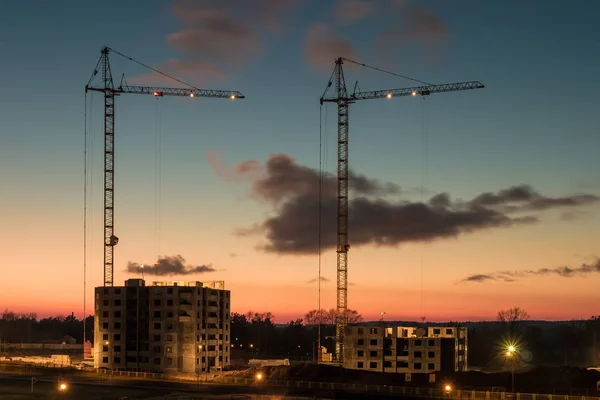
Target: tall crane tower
(343,100)
(110,93)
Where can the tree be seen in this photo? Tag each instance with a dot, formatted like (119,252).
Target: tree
(354,317)
(327,317)
(515,314)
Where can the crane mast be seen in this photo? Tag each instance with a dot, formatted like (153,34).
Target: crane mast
(110,92)
(341,317)
(343,101)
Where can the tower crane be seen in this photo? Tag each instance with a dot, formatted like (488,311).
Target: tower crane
(343,100)
(110,93)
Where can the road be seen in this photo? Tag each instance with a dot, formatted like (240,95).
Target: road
(16,386)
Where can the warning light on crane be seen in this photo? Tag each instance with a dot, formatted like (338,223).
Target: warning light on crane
(414,93)
(192,95)
(233,97)
(157,94)
(389,95)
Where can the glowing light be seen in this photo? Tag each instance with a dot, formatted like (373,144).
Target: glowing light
(448,388)
(259,376)
(512,349)
(414,93)
(232,96)
(155,93)
(192,95)
(389,95)
(62,386)
(509,353)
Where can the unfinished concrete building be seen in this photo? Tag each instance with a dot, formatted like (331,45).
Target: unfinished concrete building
(400,349)
(166,327)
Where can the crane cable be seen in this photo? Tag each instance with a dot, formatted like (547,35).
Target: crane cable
(424,184)
(157,177)
(387,72)
(85,181)
(88,168)
(319,218)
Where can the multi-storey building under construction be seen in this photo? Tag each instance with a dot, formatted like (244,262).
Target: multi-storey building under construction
(166,327)
(399,349)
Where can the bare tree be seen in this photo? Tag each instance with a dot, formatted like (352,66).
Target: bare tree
(327,317)
(515,314)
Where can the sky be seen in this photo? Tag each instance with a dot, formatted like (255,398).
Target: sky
(461,204)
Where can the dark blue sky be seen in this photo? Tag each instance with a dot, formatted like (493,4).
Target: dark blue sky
(539,61)
(536,122)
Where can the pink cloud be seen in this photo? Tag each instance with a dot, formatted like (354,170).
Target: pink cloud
(322,48)
(398,4)
(216,35)
(245,170)
(419,26)
(349,11)
(220,35)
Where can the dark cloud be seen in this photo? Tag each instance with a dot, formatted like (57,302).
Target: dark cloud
(512,276)
(322,48)
(479,278)
(524,198)
(168,266)
(292,191)
(349,11)
(323,279)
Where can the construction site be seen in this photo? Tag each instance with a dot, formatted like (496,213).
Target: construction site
(336,92)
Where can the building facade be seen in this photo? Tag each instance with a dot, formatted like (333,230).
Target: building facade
(399,349)
(166,327)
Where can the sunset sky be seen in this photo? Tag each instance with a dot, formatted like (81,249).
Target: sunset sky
(468,203)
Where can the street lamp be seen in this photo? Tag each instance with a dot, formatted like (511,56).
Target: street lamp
(511,353)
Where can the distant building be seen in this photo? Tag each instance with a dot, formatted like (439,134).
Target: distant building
(169,326)
(399,349)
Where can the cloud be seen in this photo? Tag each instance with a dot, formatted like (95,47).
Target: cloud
(524,198)
(569,216)
(219,35)
(168,266)
(512,276)
(349,11)
(398,4)
(323,279)
(479,278)
(322,48)
(377,215)
(241,171)
(417,26)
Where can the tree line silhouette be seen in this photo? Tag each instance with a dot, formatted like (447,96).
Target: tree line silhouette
(254,334)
